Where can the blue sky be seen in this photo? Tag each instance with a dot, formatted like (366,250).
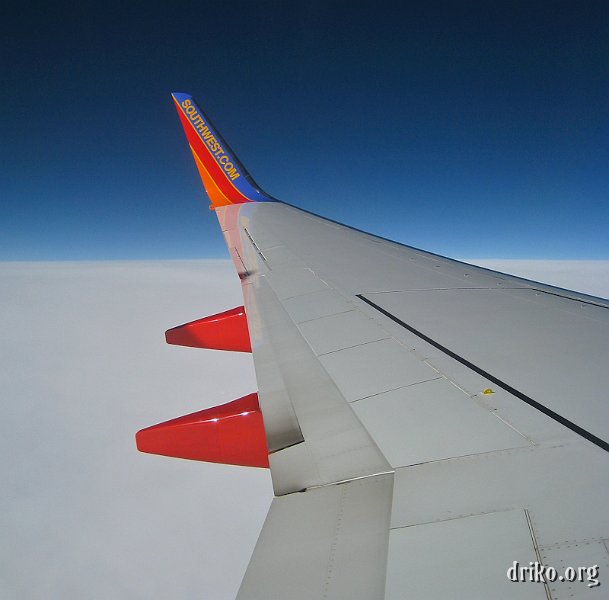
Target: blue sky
(472,129)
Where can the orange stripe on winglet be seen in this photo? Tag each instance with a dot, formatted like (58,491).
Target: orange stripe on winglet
(216,196)
(213,171)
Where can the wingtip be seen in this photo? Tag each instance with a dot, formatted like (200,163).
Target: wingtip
(225,179)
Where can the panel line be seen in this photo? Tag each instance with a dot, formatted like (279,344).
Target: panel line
(508,388)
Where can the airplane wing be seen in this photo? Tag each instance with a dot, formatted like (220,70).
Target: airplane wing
(432,428)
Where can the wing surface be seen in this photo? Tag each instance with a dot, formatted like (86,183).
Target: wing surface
(428,422)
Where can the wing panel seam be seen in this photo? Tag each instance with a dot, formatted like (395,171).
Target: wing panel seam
(508,388)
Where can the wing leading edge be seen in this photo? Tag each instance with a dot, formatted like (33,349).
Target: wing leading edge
(428,410)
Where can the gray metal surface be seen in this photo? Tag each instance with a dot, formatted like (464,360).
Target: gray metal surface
(435,560)
(577,553)
(553,349)
(329,542)
(370,369)
(563,486)
(315,305)
(432,421)
(485,393)
(336,332)
(323,441)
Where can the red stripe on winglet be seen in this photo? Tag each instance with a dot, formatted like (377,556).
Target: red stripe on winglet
(203,152)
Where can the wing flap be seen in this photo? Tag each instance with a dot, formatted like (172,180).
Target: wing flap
(416,553)
(328,542)
(325,442)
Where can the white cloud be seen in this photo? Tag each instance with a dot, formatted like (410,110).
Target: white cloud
(82,513)
(85,365)
(587,276)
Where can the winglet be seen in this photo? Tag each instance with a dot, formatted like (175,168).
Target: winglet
(225,179)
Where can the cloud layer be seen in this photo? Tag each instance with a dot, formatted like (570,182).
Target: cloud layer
(83,514)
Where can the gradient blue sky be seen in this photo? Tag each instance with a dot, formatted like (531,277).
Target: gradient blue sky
(472,129)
